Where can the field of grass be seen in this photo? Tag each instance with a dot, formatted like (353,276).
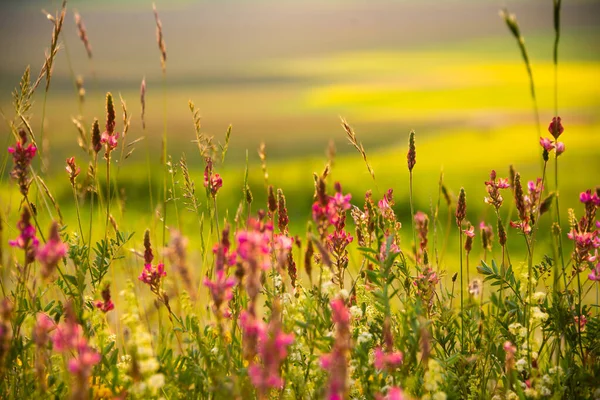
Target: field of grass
(377,308)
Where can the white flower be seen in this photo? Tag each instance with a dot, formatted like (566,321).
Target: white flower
(156,381)
(364,337)
(514,328)
(521,364)
(539,297)
(344,294)
(546,392)
(439,396)
(538,315)
(356,312)
(149,365)
(531,392)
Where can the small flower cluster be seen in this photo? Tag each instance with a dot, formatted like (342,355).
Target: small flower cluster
(493,187)
(335,363)
(220,286)
(22,156)
(556,129)
(272,351)
(212,181)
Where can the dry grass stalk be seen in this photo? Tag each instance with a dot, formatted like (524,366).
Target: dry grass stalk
(82,140)
(82,32)
(58,21)
(52,199)
(354,141)
(161,40)
(143,101)
(262,154)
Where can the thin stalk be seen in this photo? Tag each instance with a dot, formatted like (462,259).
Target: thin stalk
(164,158)
(107,194)
(78,215)
(462,323)
(412,210)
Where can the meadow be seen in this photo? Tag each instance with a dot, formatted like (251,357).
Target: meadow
(397,252)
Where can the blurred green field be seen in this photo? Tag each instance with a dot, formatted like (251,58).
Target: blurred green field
(468,101)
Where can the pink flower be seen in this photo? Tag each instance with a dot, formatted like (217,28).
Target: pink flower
(272,349)
(26,239)
(72,169)
(105,306)
(340,313)
(595,274)
(588,198)
(110,141)
(386,202)
(212,181)
(493,187)
(470,232)
(152,275)
(385,360)
(555,128)
(394,393)
(560,148)
(581,321)
(220,291)
(52,252)
(546,144)
(336,362)
(22,157)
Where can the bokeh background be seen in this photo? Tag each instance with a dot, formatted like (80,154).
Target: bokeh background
(283,72)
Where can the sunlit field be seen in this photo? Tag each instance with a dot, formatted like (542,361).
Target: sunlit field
(338,206)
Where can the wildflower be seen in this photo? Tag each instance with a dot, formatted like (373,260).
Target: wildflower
(555,128)
(470,233)
(69,339)
(421,226)
(412,151)
(252,328)
(426,282)
(52,252)
(539,297)
(475,287)
(493,187)
(106,304)
(72,169)
(581,321)
(595,274)
(560,148)
(394,393)
(387,359)
(510,350)
(253,250)
(220,291)
(487,235)
(212,182)
(282,213)
(461,207)
(96,137)
(22,156)
(335,362)
(26,239)
(6,311)
(538,315)
(151,274)
(272,350)
(109,137)
(520,203)
(521,364)
(393,250)
(546,144)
